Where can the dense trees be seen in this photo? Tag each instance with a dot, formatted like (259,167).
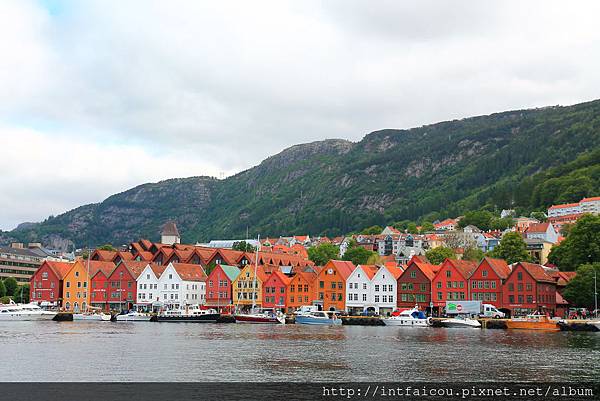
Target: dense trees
(582,245)
(2,289)
(242,246)
(439,254)
(373,230)
(21,294)
(107,247)
(323,253)
(512,249)
(359,255)
(11,285)
(473,253)
(580,290)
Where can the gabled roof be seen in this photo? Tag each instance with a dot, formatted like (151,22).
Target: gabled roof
(344,267)
(465,267)
(537,228)
(594,199)
(370,270)
(103,255)
(189,272)
(427,269)
(97,266)
(61,269)
(537,272)
(499,266)
(134,267)
(395,271)
(560,300)
(564,205)
(281,277)
(231,271)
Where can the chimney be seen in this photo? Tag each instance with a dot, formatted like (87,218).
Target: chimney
(17,245)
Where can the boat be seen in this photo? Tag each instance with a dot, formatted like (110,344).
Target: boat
(461,322)
(318,318)
(260,317)
(92,317)
(24,312)
(133,317)
(595,323)
(535,321)
(190,313)
(408,317)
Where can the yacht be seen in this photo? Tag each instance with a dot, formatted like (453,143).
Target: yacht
(189,313)
(318,318)
(92,316)
(461,321)
(32,311)
(408,317)
(535,321)
(133,317)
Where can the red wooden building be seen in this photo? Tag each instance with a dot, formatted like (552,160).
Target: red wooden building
(122,287)
(99,273)
(414,284)
(219,293)
(46,284)
(529,288)
(451,282)
(487,281)
(275,290)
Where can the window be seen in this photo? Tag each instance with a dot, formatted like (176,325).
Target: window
(384,298)
(528,286)
(520,287)
(321,284)
(44,275)
(493,284)
(68,284)
(413,274)
(377,287)
(376,298)
(448,273)
(292,288)
(439,284)
(423,287)
(486,284)
(340,285)
(170,276)
(364,297)
(520,299)
(439,295)
(484,273)
(364,286)
(356,297)
(76,274)
(305,287)
(511,287)
(519,276)
(473,284)
(511,299)
(530,299)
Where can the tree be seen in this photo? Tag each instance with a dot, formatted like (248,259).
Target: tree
(427,226)
(107,247)
(358,255)
(580,290)
(412,228)
(473,253)
(22,294)
(373,230)
(512,248)
(501,224)
(11,285)
(323,253)
(242,246)
(2,289)
(439,254)
(541,216)
(580,247)
(478,218)
(375,259)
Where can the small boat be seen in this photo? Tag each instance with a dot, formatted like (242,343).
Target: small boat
(318,318)
(408,317)
(24,312)
(133,317)
(461,321)
(260,317)
(595,323)
(190,313)
(535,321)
(92,317)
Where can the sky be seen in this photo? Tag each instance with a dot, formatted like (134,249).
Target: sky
(97,97)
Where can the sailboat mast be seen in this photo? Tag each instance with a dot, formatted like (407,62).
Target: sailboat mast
(254,292)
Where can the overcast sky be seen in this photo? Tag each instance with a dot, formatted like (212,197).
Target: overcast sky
(96,98)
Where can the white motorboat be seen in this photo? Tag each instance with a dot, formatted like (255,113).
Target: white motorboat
(318,318)
(92,317)
(133,317)
(461,322)
(409,318)
(23,312)
(260,317)
(189,313)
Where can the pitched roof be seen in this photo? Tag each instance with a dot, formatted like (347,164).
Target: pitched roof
(104,255)
(499,266)
(428,270)
(564,205)
(189,272)
(231,271)
(134,267)
(170,228)
(370,270)
(61,269)
(282,277)
(595,198)
(537,228)
(395,271)
(100,266)
(560,300)
(464,267)
(537,272)
(344,267)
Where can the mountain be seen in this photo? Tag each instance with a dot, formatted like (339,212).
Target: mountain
(528,159)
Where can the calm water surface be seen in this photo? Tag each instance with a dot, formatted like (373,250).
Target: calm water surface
(109,351)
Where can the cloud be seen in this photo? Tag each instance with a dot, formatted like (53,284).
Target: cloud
(213,87)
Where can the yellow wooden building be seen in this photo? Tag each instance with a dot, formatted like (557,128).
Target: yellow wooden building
(76,294)
(243,287)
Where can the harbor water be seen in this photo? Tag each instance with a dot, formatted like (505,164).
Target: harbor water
(109,351)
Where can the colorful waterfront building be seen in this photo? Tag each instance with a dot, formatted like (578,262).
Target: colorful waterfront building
(122,288)
(529,288)
(148,294)
(219,291)
(487,281)
(300,290)
(275,290)
(451,282)
(414,284)
(46,284)
(330,285)
(246,290)
(99,273)
(75,288)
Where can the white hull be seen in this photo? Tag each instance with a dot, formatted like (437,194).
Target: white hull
(133,318)
(595,323)
(21,317)
(406,322)
(91,318)
(461,323)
